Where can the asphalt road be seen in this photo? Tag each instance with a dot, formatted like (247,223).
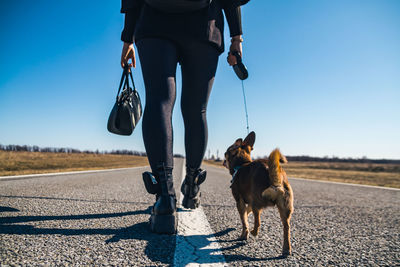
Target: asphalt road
(101,218)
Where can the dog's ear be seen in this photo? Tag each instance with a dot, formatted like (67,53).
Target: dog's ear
(238,142)
(249,140)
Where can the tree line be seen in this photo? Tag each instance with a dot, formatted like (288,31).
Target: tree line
(74,150)
(140,153)
(337,159)
(68,150)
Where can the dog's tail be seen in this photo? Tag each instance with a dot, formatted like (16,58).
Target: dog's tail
(274,166)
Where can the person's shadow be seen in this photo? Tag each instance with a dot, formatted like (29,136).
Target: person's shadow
(158,247)
(11,225)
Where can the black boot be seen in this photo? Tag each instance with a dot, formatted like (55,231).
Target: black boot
(191,187)
(163,216)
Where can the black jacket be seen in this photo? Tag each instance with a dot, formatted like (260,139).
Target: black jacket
(206,24)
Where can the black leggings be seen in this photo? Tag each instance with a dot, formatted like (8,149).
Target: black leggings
(159,58)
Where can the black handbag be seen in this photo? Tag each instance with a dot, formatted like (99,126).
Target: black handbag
(127,109)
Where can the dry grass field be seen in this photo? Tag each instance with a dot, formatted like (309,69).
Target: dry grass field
(16,163)
(358,173)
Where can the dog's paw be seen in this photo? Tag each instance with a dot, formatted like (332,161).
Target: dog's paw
(254,232)
(286,253)
(244,236)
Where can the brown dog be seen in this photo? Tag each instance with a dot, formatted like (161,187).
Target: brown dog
(259,184)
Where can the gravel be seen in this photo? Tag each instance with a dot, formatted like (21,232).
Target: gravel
(102,219)
(80,219)
(332,225)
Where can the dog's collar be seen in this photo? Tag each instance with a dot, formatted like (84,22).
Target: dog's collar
(235,169)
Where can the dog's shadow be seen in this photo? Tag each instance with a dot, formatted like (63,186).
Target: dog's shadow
(207,253)
(237,243)
(11,225)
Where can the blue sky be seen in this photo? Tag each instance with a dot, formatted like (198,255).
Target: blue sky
(324,78)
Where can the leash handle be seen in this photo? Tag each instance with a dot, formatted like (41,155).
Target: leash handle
(240,69)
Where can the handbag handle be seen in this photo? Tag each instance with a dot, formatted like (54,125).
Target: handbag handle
(126,71)
(129,73)
(133,83)
(125,80)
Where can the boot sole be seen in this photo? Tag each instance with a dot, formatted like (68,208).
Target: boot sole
(189,203)
(163,224)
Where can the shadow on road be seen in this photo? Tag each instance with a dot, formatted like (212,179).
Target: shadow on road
(76,199)
(7,209)
(158,247)
(20,219)
(236,258)
(206,255)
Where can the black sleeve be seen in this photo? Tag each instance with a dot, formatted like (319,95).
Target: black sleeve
(233,16)
(132,9)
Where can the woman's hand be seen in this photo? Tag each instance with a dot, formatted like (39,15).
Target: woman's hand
(236,46)
(128,52)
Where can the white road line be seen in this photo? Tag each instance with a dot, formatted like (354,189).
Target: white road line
(350,184)
(63,173)
(224,171)
(322,181)
(195,243)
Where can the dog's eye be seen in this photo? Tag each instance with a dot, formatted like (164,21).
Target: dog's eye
(233,153)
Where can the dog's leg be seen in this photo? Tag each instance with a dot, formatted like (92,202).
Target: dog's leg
(248,210)
(285,212)
(241,206)
(257,213)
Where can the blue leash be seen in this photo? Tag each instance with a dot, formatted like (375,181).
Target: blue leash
(242,73)
(245,108)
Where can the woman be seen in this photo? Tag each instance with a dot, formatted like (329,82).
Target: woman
(165,33)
